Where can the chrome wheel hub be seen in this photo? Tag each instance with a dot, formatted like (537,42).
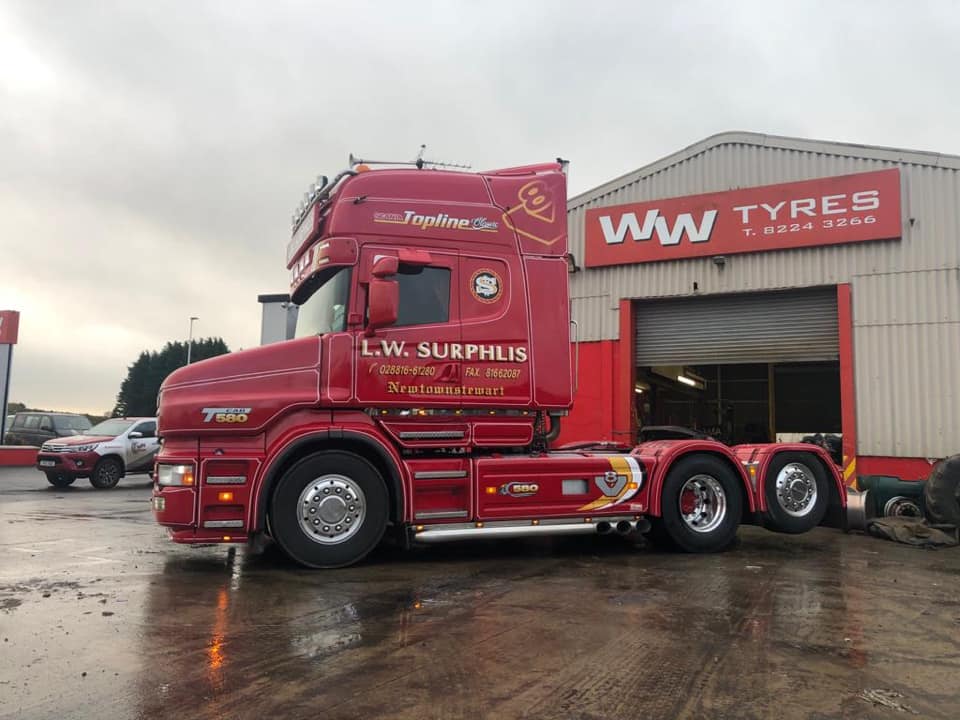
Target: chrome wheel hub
(331,509)
(703,503)
(796,489)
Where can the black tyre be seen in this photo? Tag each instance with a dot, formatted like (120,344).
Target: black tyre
(329,510)
(59,479)
(106,474)
(797,491)
(941,493)
(700,505)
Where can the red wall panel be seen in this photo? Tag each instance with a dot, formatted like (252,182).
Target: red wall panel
(592,416)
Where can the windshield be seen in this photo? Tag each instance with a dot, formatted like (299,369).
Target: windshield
(112,427)
(70,422)
(325,310)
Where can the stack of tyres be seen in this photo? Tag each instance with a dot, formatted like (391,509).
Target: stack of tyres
(941,493)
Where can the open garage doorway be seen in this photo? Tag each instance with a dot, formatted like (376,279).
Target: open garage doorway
(746,368)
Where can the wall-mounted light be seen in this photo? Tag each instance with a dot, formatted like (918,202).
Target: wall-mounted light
(572,266)
(691,379)
(719,260)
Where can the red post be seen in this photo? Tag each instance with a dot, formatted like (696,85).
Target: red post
(624,429)
(848,394)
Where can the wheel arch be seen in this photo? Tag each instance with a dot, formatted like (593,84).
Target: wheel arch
(667,457)
(357,443)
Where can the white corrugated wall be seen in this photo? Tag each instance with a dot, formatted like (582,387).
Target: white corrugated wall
(906,293)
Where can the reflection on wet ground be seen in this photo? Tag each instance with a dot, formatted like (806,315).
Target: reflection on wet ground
(104,618)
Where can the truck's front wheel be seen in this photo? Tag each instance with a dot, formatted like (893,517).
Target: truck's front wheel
(329,510)
(700,505)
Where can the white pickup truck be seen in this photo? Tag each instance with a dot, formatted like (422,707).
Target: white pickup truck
(104,453)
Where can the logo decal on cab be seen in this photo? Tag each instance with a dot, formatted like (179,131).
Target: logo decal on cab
(486,286)
(226,414)
(519,489)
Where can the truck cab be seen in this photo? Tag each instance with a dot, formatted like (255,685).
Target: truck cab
(431,367)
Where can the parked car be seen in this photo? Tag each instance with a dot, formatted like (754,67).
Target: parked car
(104,453)
(35,428)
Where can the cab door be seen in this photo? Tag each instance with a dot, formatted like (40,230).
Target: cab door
(416,362)
(493,307)
(141,445)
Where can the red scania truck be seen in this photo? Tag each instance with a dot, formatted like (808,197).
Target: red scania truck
(431,367)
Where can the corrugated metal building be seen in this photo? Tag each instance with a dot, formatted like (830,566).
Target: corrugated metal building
(828,303)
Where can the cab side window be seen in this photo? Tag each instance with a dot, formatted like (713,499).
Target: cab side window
(147,429)
(424,295)
(32,422)
(46,423)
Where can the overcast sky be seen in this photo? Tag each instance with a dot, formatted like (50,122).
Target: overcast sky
(151,153)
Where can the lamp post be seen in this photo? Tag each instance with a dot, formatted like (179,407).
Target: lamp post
(190,339)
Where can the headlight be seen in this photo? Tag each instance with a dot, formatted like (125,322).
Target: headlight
(175,475)
(84,448)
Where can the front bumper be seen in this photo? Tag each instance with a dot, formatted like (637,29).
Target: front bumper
(68,463)
(176,509)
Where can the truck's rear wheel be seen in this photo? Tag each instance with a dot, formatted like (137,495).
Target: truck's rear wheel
(797,493)
(329,510)
(700,505)
(60,480)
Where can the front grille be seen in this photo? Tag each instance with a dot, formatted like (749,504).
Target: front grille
(54,448)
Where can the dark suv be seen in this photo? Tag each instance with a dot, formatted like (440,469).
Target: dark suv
(35,428)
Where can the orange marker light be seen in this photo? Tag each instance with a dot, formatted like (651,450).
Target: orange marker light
(227,538)
(188,478)
(225,496)
(491,490)
(361,168)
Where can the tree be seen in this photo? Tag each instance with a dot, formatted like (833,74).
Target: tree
(138,391)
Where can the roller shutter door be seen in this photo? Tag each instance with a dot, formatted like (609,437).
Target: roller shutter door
(790,326)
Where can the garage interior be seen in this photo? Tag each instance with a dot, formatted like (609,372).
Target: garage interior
(742,368)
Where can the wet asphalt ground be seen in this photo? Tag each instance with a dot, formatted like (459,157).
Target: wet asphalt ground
(101,617)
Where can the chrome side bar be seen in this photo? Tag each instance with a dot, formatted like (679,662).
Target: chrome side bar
(449,532)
